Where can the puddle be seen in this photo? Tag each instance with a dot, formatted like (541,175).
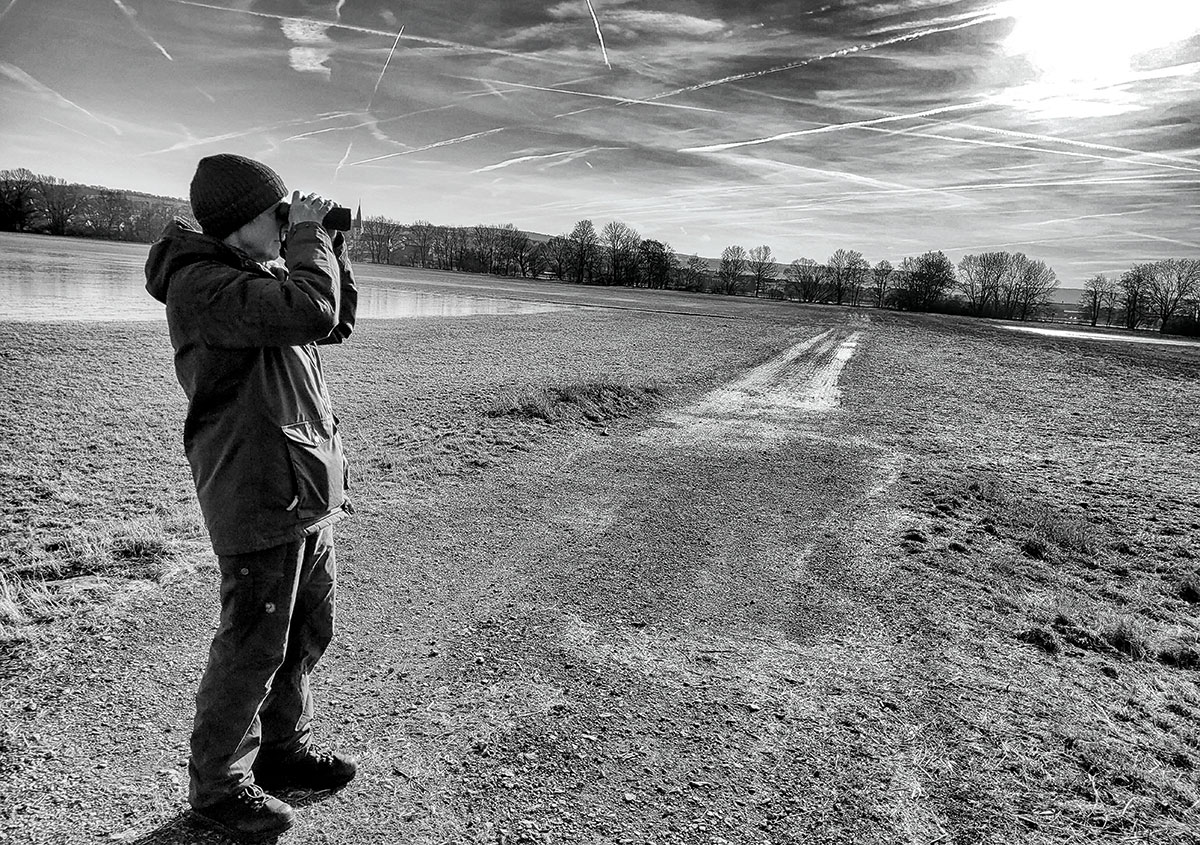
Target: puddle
(1119,338)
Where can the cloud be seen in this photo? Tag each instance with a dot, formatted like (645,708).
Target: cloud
(619,25)
(633,22)
(313,47)
(571,8)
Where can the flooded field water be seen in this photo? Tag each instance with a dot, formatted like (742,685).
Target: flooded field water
(47,279)
(1095,335)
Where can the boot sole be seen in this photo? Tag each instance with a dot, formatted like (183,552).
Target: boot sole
(241,835)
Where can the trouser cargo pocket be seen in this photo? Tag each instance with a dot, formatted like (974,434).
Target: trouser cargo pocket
(318,468)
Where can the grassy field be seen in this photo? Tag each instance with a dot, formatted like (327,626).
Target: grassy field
(1053,508)
(1031,546)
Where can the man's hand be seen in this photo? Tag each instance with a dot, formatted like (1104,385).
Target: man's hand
(310,207)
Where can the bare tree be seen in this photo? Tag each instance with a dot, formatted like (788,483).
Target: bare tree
(421,236)
(882,276)
(535,261)
(1172,283)
(1110,304)
(380,239)
(1134,294)
(460,247)
(516,250)
(620,244)
(1097,293)
(1037,283)
(733,267)
(585,245)
(448,247)
(1005,284)
(762,267)
(804,278)
(979,280)
(695,273)
(485,243)
(58,202)
(924,281)
(558,256)
(990,282)
(150,217)
(108,214)
(847,270)
(439,247)
(17,191)
(858,283)
(656,263)
(1010,293)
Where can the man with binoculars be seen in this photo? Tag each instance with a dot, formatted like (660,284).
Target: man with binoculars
(263,444)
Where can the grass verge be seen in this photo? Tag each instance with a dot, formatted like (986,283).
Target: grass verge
(43,579)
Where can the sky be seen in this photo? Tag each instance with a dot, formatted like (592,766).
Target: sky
(1065,129)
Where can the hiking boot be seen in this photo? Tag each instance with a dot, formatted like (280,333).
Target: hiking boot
(250,815)
(307,769)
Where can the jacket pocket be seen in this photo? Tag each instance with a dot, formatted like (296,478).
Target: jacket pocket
(318,467)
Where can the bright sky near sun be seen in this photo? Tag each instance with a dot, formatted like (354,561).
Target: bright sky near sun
(1066,129)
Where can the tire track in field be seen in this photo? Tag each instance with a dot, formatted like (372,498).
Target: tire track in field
(776,401)
(716,573)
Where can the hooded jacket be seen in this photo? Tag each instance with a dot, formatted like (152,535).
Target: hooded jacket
(260,433)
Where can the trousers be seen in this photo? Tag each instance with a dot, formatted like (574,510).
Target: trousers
(277,618)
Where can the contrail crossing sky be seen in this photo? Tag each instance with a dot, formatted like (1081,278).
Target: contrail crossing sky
(1062,128)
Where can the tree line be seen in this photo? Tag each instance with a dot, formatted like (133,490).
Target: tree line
(1007,285)
(615,255)
(1166,292)
(36,202)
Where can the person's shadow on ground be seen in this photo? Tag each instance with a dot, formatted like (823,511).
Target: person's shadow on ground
(184,829)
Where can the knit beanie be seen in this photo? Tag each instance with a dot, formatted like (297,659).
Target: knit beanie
(228,191)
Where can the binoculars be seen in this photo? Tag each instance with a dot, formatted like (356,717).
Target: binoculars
(338,218)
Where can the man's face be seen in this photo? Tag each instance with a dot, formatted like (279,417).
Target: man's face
(260,237)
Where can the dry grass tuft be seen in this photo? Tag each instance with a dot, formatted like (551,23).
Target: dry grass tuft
(1111,763)
(1129,635)
(1036,548)
(10,605)
(53,578)
(1189,588)
(1041,529)
(1089,626)
(1043,638)
(1048,527)
(594,400)
(1180,652)
(23,602)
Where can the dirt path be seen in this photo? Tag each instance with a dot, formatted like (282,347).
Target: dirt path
(664,635)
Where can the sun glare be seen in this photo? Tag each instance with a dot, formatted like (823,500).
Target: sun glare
(1084,50)
(1095,42)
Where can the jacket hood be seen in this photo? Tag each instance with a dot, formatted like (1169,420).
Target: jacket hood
(179,246)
